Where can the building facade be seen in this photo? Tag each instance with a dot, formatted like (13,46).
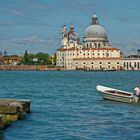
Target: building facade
(94,52)
(131,63)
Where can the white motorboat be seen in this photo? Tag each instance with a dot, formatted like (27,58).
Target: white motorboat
(116,95)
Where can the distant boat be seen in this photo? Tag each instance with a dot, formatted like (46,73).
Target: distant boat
(116,95)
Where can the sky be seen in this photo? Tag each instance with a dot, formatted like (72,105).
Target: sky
(34,25)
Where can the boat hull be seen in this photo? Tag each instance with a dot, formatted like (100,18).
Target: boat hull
(116,95)
(116,98)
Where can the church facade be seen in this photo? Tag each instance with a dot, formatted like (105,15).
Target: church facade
(94,52)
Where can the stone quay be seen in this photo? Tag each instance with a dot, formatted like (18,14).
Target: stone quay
(12,110)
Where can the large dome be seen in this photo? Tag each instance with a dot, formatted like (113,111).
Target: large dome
(95,31)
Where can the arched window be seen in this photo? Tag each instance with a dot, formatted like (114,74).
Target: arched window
(127,65)
(99,45)
(138,63)
(95,45)
(124,64)
(130,64)
(90,44)
(107,54)
(135,65)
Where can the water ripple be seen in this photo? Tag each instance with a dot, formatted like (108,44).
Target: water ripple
(66,106)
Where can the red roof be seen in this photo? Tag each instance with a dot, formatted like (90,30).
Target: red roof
(73,48)
(112,58)
(100,49)
(65,49)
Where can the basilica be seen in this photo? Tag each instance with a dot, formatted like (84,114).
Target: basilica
(94,53)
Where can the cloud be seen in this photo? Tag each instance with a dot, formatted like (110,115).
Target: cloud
(132,18)
(76,5)
(39,6)
(24,12)
(85,3)
(6,23)
(32,43)
(123,18)
(128,47)
(28,40)
(16,12)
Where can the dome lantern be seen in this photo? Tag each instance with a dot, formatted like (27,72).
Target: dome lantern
(72,28)
(94,20)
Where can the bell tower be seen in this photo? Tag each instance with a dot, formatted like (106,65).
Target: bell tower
(64,36)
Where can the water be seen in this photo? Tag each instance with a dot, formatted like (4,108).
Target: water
(66,106)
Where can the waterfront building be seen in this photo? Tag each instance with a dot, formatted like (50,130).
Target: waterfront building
(94,52)
(132,62)
(12,59)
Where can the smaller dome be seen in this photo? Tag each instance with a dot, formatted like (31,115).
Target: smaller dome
(73,36)
(71,26)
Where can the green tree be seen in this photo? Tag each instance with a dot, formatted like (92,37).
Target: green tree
(26,59)
(30,59)
(42,58)
(36,59)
